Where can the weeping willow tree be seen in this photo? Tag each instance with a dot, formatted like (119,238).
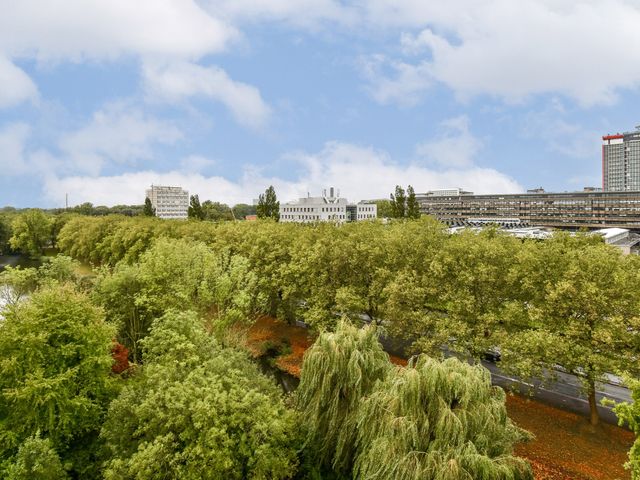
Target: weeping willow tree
(337,372)
(437,421)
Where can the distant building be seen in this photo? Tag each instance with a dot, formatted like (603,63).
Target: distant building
(251,218)
(169,202)
(327,208)
(447,192)
(621,162)
(570,210)
(621,238)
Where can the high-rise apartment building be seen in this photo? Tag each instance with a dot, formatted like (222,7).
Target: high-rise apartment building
(169,202)
(621,162)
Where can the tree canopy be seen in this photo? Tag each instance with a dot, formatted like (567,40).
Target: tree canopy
(55,365)
(268,205)
(198,411)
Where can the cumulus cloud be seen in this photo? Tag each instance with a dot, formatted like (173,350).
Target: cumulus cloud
(560,135)
(454,148)
(393,81)
(513,50)
(196,163)
(300,13)
(360,173)
(16,84)
(116,134)
(12,148)
(94,29)
(179,81)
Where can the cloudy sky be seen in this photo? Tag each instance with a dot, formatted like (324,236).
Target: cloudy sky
(100,99)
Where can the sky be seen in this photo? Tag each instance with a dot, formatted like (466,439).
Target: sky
(99,100)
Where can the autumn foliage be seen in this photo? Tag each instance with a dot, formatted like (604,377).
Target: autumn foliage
(120,355)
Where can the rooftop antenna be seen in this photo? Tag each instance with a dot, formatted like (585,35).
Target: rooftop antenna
(66,201)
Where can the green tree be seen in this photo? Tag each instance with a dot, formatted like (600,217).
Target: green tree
(384,209)
(5,234)
(17,283)
(148,210)
(630,413)
(177,274)
(57,222)
(31,232)
(398,202)
(36,460)
(198,411)
(413,207)
(440,420)
(268,205)
(338,372)
(241,210)
(55,365)
(216,211)
(195,209)
(582,316)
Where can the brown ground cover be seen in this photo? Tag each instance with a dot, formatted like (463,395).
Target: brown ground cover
(566,447)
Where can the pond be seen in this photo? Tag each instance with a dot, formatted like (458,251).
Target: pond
(18,261)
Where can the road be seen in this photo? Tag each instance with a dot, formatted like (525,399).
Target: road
(564,391)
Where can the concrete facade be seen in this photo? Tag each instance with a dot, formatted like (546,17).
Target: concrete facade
(169,202)
(621,162)
(327,208)
(570,210)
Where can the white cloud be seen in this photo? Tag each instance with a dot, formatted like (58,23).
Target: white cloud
(12,148)
(300,13)
(116,134)
(196,163)
(179,81)
(392,81)
(360,173)
(95,29)
(512,50)
(16,86)
(560,135)
(455,148)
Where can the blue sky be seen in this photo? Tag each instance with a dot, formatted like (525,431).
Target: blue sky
(224,97)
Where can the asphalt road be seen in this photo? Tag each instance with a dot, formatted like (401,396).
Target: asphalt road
(564,391)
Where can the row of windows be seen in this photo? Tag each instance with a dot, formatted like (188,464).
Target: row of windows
(312,209)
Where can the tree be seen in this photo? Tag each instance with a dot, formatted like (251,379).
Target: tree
(462,298)
(440,420)
(5,234)
(177,274)
(268,205)
(31,232)
(398,202)
(195,209)
(338,371)
(198,411)
(55,363)
(36,460)
(241,210)
(413,207)
(148,210)
(216,211)
(384,209)
(583,317)
(630,413)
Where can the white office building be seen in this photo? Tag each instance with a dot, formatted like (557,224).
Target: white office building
(169,202)
(327,208)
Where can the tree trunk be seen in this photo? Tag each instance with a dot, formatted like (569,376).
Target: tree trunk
(593,405)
